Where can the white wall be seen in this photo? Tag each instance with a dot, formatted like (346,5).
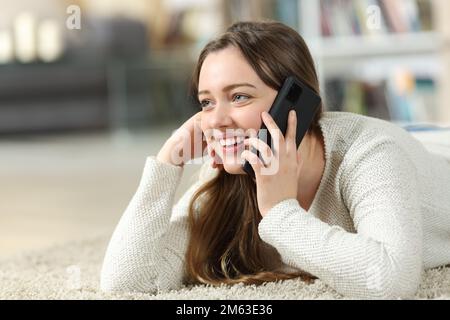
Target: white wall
(41,8)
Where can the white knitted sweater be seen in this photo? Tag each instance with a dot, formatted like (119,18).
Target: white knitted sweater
(380,217)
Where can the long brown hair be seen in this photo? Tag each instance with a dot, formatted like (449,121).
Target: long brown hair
(224,245)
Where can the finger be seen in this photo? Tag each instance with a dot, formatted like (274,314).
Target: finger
(198,117)
(275,132)
(217,161)
(291,131)
(197,142)
(213,163)
(270,123)
(262,147)
(198,126)
(205,144)
(209,134)
(254,161)
(299,163)
(211,149)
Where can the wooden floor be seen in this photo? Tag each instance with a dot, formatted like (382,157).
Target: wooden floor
(57,188)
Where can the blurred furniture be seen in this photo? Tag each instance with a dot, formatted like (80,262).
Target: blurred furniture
(151,91)
(106,79)
(37,97)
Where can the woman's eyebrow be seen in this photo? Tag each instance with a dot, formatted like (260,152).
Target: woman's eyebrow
(229,87)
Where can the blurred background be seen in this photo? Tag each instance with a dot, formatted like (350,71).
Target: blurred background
(90,88)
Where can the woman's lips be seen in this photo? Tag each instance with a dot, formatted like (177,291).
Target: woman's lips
(224,153)
(233,149)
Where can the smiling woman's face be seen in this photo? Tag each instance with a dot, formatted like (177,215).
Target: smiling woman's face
(232,97)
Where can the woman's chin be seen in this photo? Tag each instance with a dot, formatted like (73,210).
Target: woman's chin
(233,167)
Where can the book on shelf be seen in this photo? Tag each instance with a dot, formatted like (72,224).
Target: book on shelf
(403,97)
(286,11)
(357,96)
(367,17)
(411,97)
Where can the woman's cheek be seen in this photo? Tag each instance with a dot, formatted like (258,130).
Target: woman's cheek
(250,120)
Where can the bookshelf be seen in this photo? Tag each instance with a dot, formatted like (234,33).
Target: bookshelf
(423,52)
(409,48)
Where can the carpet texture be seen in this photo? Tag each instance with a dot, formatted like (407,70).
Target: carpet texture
(71,271)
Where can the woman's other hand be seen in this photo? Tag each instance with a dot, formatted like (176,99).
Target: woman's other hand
(185,144)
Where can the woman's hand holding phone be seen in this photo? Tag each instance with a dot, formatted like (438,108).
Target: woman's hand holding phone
(274,186)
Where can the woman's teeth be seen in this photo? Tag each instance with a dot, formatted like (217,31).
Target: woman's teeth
(231,141)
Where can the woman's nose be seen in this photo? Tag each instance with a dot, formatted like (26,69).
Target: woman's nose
(220,117)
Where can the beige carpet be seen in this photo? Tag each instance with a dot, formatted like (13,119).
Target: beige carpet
(71,271)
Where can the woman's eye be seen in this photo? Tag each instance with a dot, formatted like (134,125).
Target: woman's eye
(204,103)
(240,95)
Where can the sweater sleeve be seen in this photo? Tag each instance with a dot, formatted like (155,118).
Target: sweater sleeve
(383,259)
(146,250)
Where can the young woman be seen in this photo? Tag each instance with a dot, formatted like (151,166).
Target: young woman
(360,204)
